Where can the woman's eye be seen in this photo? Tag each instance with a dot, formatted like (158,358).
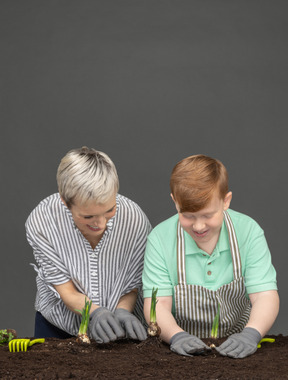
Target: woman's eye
(87,217)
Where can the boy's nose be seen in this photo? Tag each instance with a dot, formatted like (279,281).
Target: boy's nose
(199,226)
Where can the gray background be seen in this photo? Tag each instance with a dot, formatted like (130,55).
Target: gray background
(149,83)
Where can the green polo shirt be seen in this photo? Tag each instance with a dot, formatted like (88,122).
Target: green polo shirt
(211,271)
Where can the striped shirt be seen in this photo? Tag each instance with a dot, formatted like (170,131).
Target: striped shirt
(62,254)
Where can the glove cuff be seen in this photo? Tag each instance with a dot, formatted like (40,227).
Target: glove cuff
(252,334)
(177,336)
(97,311)
(121,312)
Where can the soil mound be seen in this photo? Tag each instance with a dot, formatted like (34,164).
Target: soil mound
(126,359)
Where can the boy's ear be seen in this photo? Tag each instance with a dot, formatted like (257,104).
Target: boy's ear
(174,202)
(227,200)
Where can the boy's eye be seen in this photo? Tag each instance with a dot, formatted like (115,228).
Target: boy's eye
(188,216)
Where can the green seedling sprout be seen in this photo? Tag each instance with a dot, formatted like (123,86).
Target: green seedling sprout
(153,328)
(6,336)
(215,326)
(82,336)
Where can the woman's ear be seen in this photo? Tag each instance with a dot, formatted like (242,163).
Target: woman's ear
(64,201)
(227,200)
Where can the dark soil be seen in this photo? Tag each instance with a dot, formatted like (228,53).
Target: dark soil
(65,359)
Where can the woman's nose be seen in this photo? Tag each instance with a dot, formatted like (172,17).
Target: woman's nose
(99,221)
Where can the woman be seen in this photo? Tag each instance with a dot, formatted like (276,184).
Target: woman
(88,242)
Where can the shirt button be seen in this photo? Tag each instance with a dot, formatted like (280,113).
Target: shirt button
(209,263)
(209,273)
(94,273)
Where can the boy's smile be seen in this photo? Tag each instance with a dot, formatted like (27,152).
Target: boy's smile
(204,226)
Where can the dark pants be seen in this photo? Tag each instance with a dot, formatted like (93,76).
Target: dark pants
(44,329)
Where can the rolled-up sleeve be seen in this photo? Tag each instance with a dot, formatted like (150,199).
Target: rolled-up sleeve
(260,274)
(49,265)
(155,273)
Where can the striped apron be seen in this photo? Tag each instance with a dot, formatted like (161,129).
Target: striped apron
(196,306)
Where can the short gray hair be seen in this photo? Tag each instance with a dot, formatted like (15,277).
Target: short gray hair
(86,174)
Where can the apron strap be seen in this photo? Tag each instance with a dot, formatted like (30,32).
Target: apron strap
(181,255)
(236,259)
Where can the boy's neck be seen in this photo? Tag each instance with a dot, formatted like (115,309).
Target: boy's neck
(209,246)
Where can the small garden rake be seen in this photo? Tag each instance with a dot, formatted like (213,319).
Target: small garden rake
(23,344)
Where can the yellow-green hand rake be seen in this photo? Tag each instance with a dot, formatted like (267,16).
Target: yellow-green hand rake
(23,344)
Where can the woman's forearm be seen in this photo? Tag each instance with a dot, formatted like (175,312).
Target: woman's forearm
(72,298)
(128,301)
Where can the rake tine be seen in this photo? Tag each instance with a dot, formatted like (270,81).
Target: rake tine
(12,346)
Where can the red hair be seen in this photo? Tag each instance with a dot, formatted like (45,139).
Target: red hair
(194,180)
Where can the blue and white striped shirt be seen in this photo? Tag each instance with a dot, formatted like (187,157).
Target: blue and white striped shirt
(62,253)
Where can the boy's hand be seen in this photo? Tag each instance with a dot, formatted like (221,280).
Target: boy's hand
(104,326)
(186,344)
(241,344)
(131,324)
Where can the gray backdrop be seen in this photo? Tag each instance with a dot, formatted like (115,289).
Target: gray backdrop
(148,82)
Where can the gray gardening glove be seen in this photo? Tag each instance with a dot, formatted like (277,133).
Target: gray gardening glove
(131,324)
(104,326)
(241,344)
(186,344)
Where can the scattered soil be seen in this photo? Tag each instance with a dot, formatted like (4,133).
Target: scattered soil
(126,359)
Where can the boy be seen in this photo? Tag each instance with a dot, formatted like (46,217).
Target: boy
(208,255)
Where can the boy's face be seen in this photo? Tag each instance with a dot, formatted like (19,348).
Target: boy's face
(204,226)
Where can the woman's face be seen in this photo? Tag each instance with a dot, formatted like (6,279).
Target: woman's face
(91,218)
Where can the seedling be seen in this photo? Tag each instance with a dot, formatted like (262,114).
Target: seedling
(82,336)
(153,328)
(215,326)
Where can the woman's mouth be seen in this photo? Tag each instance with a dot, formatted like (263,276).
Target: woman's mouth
(92,228)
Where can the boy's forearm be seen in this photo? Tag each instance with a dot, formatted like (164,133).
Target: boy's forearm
(265,308)
(164,317)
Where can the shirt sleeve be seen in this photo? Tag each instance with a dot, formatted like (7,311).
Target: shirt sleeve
(259,273)
(42,235)
(155,273)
